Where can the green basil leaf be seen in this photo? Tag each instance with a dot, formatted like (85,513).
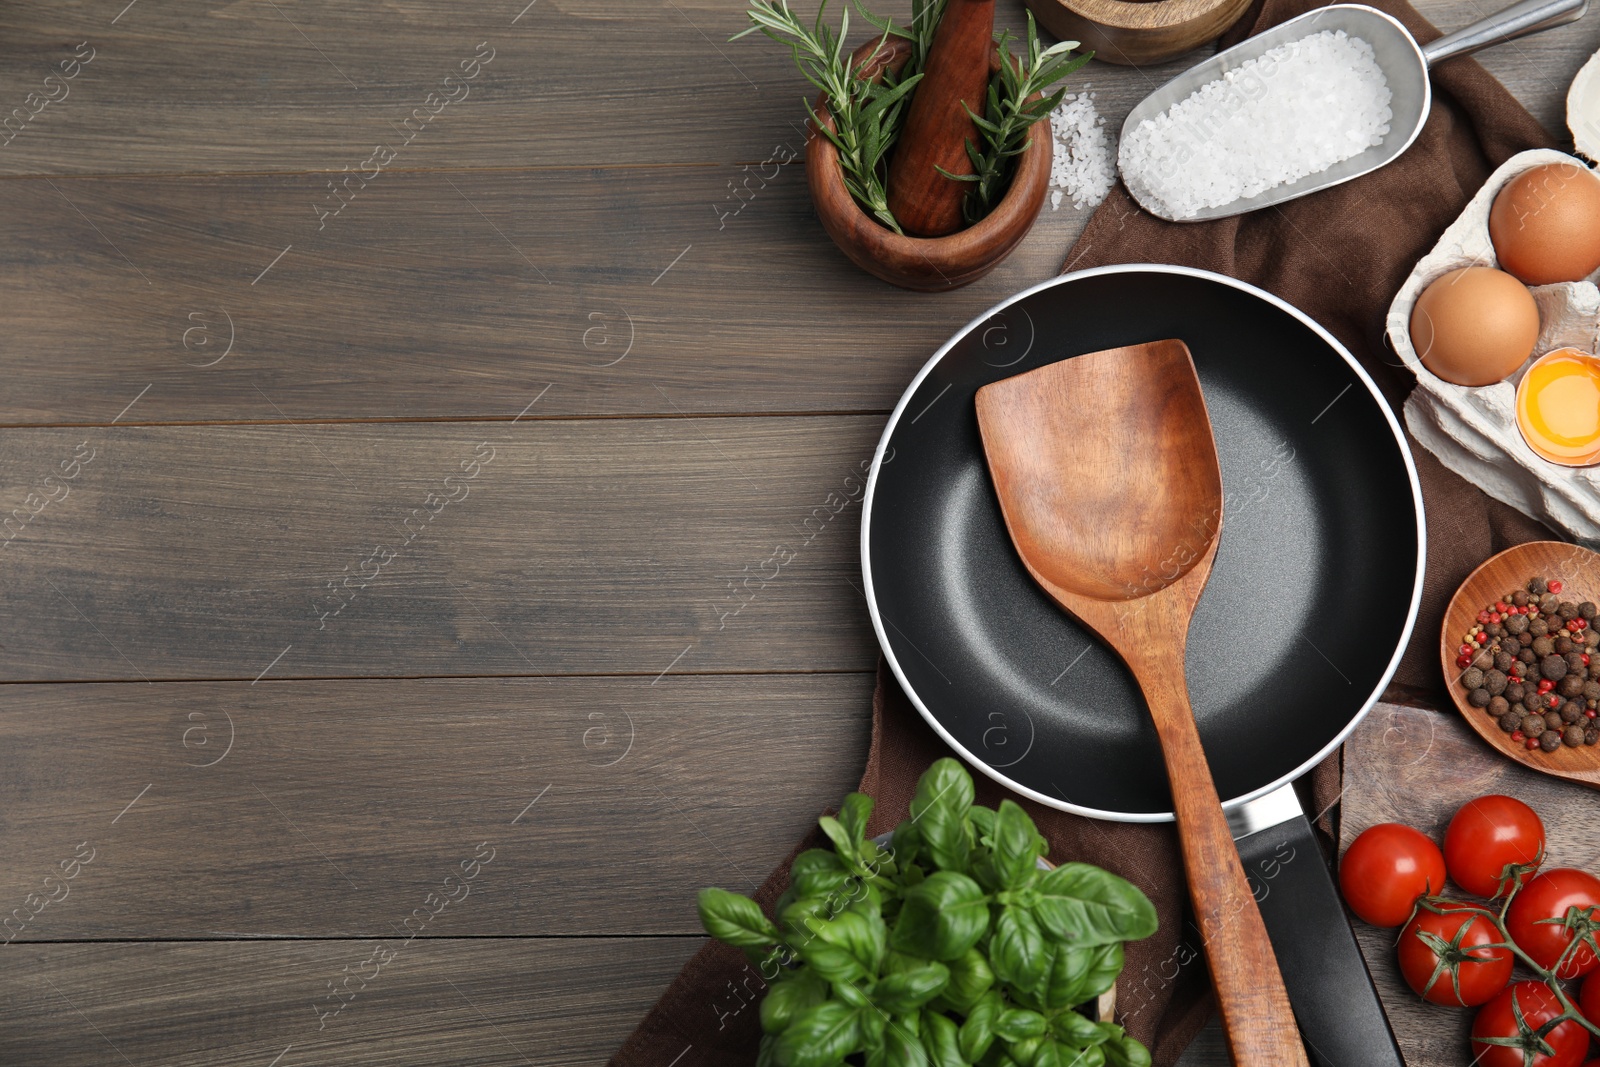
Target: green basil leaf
(939,1038)
(788,999)
(843,843)
(735,920)
(906,845)
(977,1029)
(1080,974)
(764,1056)
(1085,905)
(970,978)
(820,1037)
(852,994)
(911,989)
(944,793)
(1059,1054)
(818,872)
(1017,951)
(863,936)
(1076,1030)
(1014,1024)
(902,1047)
(872,1023)
(982,820)
(832,962)
(1124,1051)
(942,917)
(1026,1050)
(1012,846)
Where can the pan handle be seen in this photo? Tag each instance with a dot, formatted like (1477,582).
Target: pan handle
(1330,989)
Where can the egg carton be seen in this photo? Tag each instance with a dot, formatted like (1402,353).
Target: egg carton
(1473,430)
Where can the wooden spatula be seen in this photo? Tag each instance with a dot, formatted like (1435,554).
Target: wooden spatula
(1108,479)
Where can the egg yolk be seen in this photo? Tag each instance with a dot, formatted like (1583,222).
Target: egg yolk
(1558,407)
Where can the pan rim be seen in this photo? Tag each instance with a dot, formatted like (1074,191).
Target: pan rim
(1136,268)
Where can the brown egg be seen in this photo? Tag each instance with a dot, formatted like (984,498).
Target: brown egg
(1545,224)
(1474,326)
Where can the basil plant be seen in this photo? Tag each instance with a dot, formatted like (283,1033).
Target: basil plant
(945,948)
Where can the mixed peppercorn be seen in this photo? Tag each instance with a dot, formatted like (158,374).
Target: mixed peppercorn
(1526,663)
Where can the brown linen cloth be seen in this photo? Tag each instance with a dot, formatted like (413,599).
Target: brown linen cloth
(1339,255)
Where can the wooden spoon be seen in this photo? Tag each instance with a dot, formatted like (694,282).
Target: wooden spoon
(1108,479)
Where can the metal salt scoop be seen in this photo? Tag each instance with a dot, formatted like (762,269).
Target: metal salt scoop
(1403,61)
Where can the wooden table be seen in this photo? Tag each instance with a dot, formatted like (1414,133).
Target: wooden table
(376,512)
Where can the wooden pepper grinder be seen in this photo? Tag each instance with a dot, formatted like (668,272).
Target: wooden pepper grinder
(937,128)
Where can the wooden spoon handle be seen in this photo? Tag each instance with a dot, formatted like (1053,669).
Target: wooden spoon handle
(1250,994)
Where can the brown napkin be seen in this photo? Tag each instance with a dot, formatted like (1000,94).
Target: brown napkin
(1338,255)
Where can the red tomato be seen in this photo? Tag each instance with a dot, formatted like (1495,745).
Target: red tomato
(1386,869)
(1486,836)
(1589,999)
(1460,973)
(1569,1041)
(1549,896)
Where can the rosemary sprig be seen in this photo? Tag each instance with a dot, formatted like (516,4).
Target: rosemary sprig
(1010,114)
(866,115)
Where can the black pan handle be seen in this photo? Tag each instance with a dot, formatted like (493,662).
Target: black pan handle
(1330,989)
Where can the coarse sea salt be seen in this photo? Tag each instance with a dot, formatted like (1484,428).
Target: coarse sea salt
(1082,166)
(1295,110)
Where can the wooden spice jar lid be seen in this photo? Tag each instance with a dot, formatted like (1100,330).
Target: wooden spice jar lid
(1132,34)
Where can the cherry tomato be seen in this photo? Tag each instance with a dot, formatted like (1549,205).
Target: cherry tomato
(1549,896)
(1454,969)
(1386,869)
(1589,999)
(1569,1041)
(1486,836)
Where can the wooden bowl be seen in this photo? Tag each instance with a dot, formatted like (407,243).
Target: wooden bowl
(1578,569)
(926,264)
(1134,34)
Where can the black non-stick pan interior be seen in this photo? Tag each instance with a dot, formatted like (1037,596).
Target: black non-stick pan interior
(1313,591)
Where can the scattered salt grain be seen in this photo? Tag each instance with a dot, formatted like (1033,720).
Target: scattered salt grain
(1295,110)
(1082,166)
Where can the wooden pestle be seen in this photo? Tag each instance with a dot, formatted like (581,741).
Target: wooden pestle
(937,127)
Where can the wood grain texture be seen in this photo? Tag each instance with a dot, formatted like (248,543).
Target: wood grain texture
(458,296)
(1125,434)
(1579,570)
(609,546)
(332,809)
(1416,766)
(473,1003)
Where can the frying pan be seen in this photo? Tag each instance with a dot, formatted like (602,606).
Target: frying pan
(1311,601)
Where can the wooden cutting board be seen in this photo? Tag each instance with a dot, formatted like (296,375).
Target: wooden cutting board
(1417,767)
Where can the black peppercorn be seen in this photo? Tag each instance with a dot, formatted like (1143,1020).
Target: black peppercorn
(1567,610)
(1538,627)
(1553,721)
(1563,645)
(1517,625)
(1543,646)
(1548,603)
(1519,599)
(1537,586)
(1591,689)
(1473,678)
(1510,722)
(1495,630)
(1587,610)
(1515,692)
(1527,655)
(1495,682)
(1591,735)
(1572,737)
(1571,712)
(1511,645)
(1553,668)
(1550,740)
(1503,662)
(1533,725)
(1570,686)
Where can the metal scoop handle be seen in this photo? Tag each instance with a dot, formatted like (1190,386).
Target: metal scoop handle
(1518,20)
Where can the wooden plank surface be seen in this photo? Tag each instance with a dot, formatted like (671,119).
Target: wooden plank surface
(332,809)
(544,547)
(508,1002)
(457,296)
(1417,766)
